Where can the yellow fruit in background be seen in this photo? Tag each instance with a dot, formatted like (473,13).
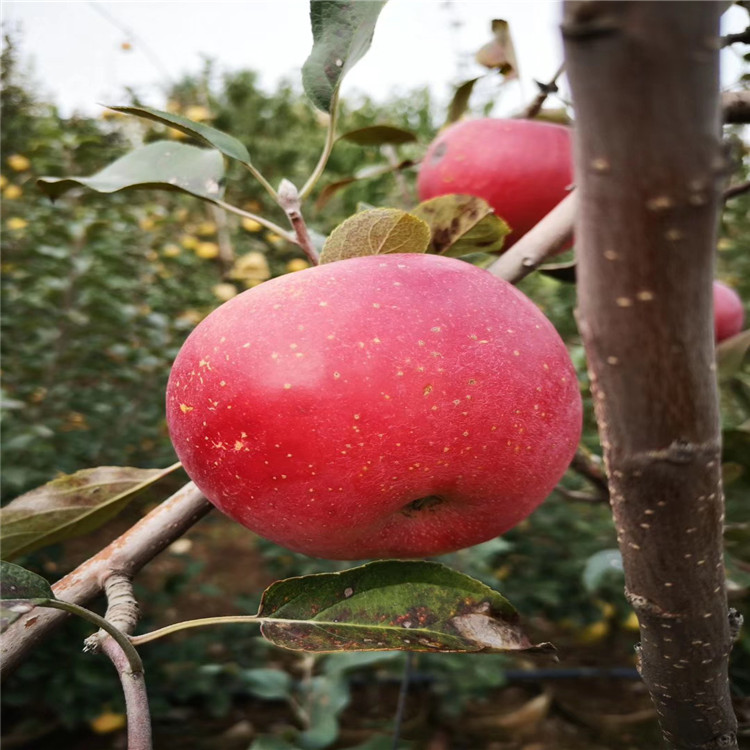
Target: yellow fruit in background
(631,623)
(252,266)
(297,264)
(126,46)
(12,192)
(108,722)
(594,633)
(190,316)
(224,291)
(3,181)
(171,250)
(250,225)
(18,162)
(253,206)
(16,223)
(189,242)
(273,238)
(207,250)
(146,223)
(607,609)
(178,135)
(205,229)
(197,112)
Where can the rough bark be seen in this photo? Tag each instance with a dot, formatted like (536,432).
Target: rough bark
(649,172)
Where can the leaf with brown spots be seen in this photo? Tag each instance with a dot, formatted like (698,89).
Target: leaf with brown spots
(462,224)
(71,505)
(377,231)
(21,590)
(391,605)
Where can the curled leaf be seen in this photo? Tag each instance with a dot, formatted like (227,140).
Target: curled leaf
(462,224)
(227,144)
(342,34)
(377,231)
(499,54)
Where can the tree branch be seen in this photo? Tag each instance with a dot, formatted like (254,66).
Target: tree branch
(551,236)
(126,555)
(545,89)
(649,172)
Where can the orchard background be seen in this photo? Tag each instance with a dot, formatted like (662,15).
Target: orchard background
(100,292)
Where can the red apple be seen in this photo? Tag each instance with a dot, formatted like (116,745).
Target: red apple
(385,406)
(522,168)
(729,314)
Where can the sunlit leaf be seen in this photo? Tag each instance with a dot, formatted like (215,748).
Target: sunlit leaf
(227,144)
(731,354)
(460,101)
(499,54)
(20,591)
(70,505)
(378,135)
(391,605)
(377,231)
(342,34)
(462,224)
(164,165)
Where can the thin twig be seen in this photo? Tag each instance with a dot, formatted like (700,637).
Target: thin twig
(403,693)
(590,467)
(127,555)
(734,190)
(256,217)
(742,37)
(289,200)
(545,89)
(735,107)
(551,236)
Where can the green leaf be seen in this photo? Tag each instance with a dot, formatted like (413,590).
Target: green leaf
(268,742)
(326,698)
(20,591)
(164,165)
(561,271)
(342,34)
(460,102)
(366,173)
(601,568)
(227,144)
(462,224)
(376,231)
(378,135)
(731,354)
(70,505)
(390,605)
(268,684)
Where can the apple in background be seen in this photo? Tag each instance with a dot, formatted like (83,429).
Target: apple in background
(729,314)
(385,406)
(522,168)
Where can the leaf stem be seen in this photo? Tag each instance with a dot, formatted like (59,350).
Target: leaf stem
(327,148)
(134,660)
(275,228)
(262,180)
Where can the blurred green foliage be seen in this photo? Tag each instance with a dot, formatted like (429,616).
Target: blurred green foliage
(98,294)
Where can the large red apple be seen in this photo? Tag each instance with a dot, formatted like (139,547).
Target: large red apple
(729,314)
(522,168)
(386,406)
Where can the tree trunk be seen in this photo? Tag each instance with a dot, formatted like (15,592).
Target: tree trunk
(649,172)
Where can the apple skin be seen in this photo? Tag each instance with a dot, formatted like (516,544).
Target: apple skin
(386,406)
(729,314)
(522,168)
